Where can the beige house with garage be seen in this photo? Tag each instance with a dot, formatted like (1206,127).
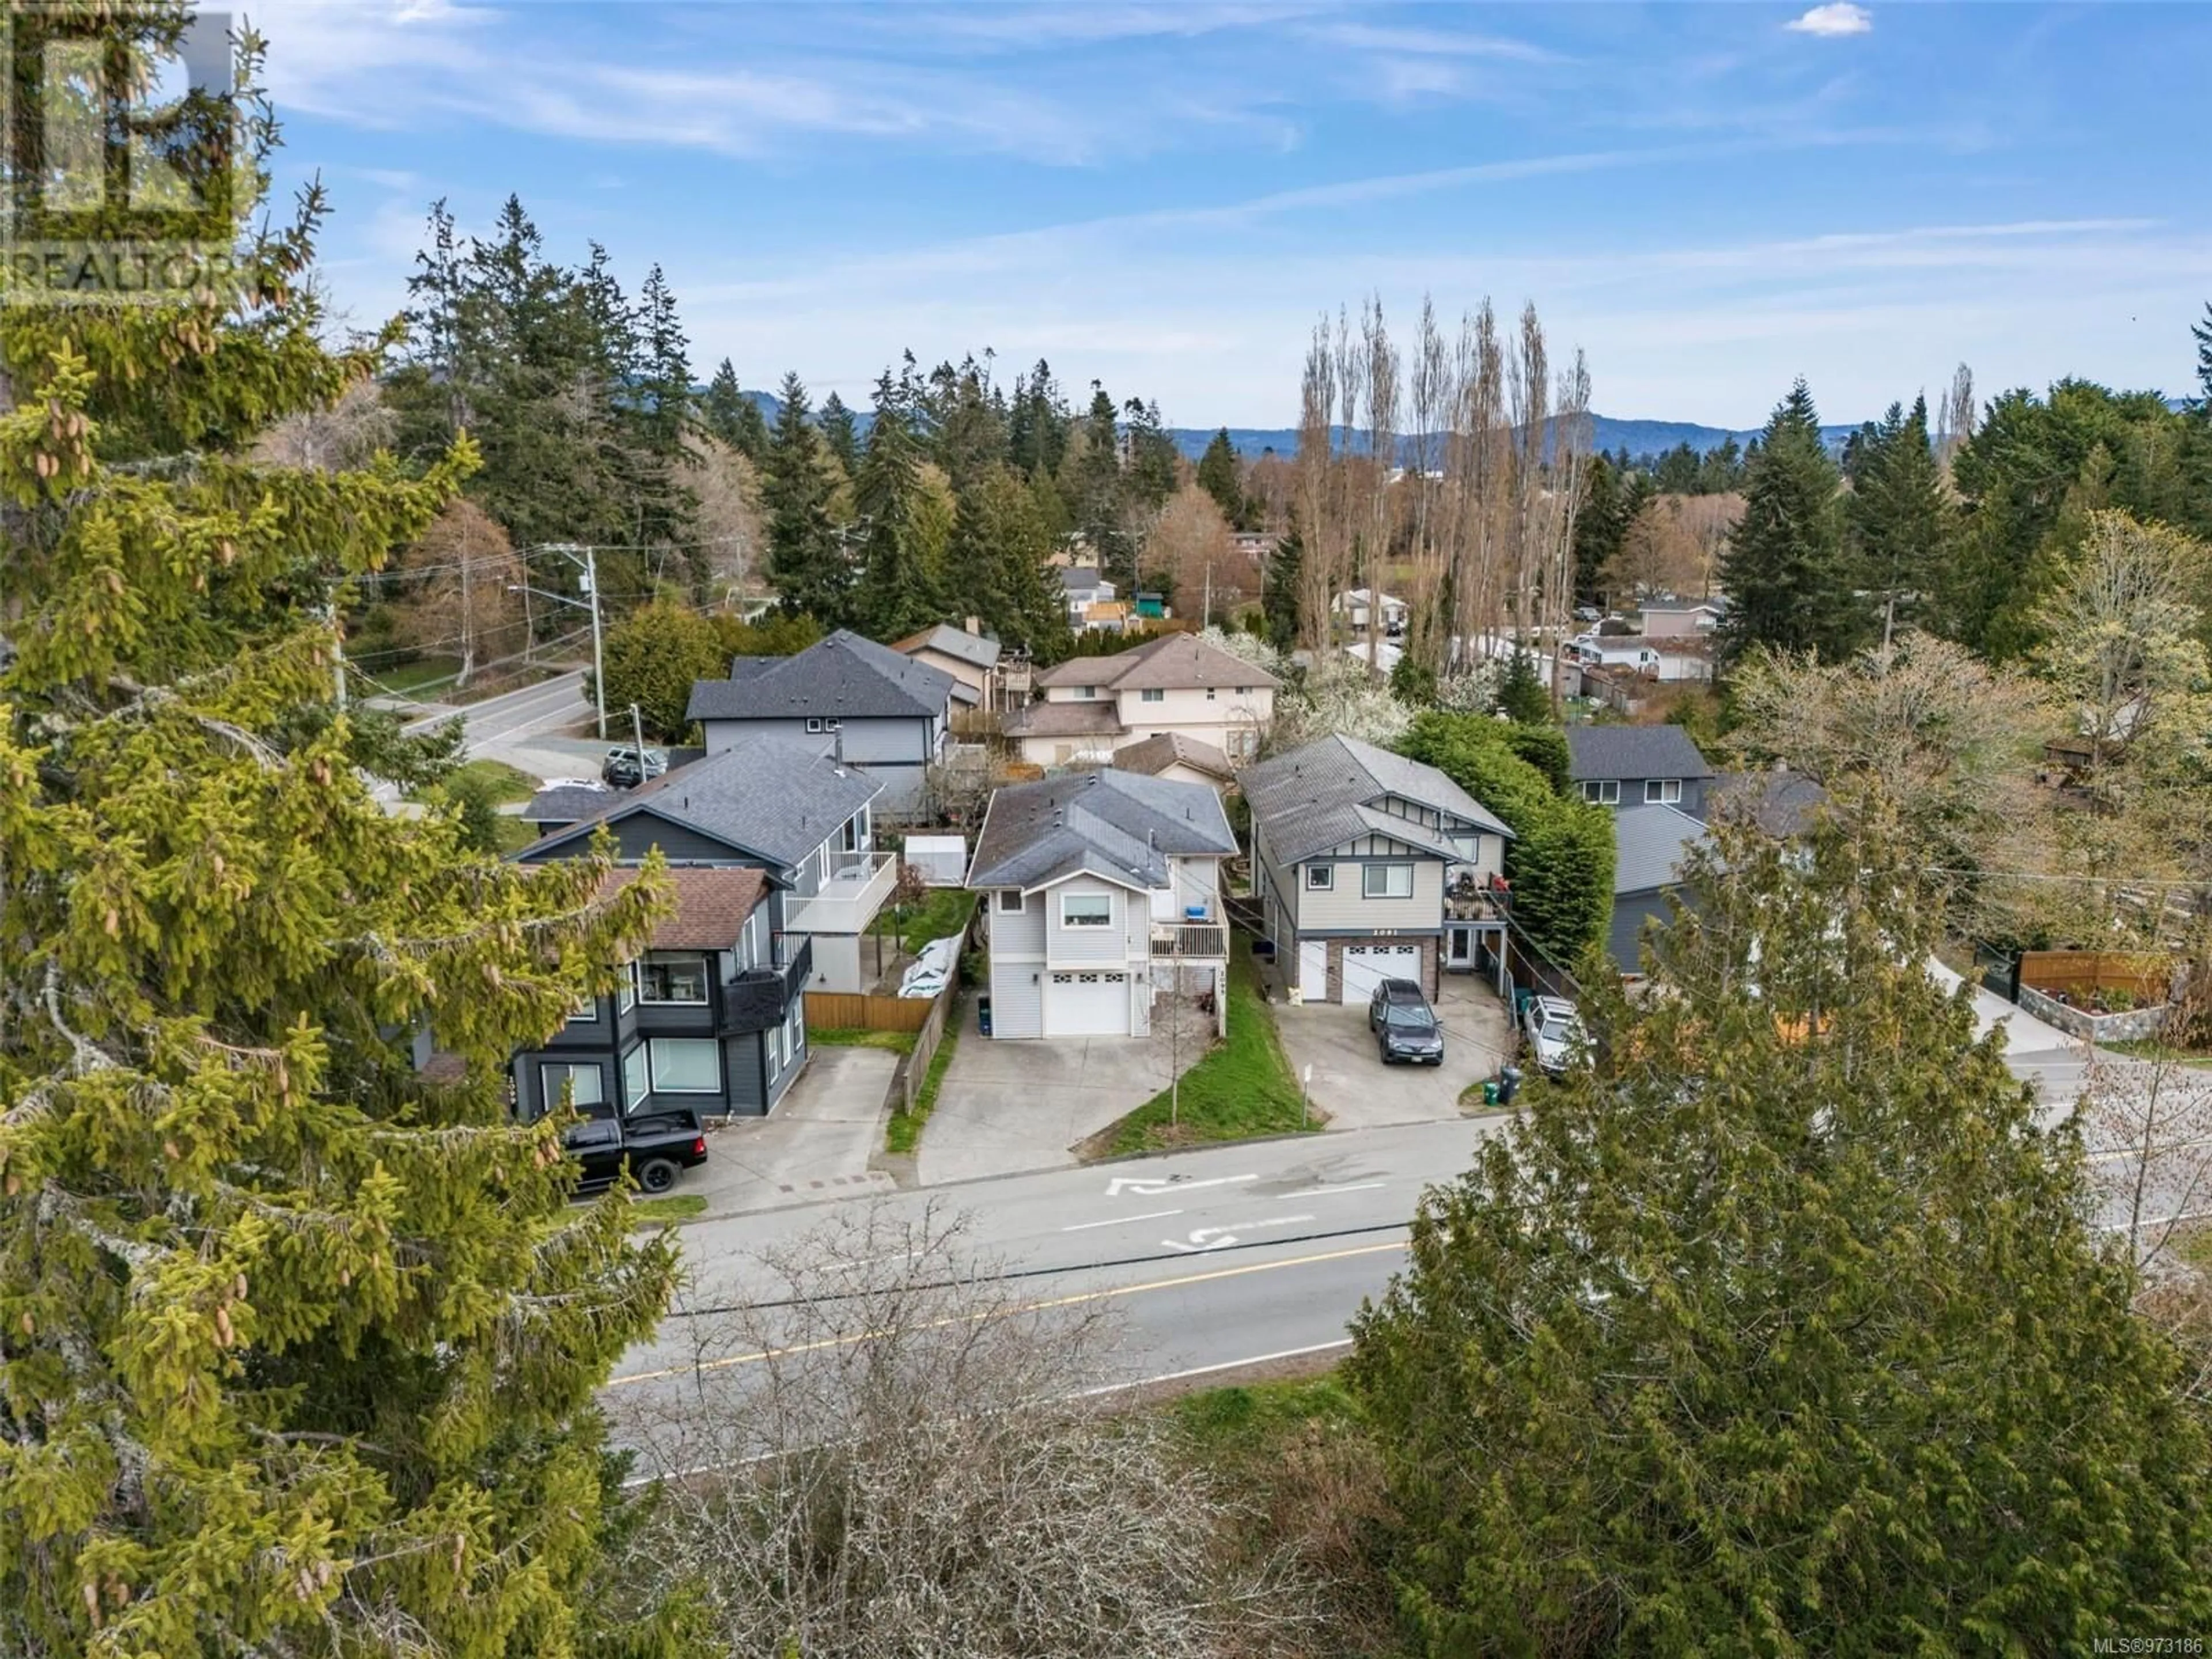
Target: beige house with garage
(1369,867)
(1089,709)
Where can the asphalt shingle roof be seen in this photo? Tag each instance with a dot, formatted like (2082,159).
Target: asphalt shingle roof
(1120,826)
(773,799)
(1632,752)
(1310,799)
(1649,845)
(566,803)
(1781,804)
(843,676)
(1168,661)
(712,903)
(1063,719)
(955,642)
(1155,754)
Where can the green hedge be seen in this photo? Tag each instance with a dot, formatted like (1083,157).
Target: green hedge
(1561,860)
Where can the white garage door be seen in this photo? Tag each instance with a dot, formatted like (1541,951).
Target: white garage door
(1087,1005)
(1366,966)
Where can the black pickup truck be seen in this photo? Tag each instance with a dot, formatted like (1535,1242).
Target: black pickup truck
(655,1146)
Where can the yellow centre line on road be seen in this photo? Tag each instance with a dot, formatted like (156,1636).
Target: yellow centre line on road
(1074,1300)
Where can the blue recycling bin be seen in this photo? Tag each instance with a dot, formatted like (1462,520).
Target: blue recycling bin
(983,1015)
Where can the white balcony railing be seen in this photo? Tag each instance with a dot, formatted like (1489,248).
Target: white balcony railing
(1192,941)
(859,884)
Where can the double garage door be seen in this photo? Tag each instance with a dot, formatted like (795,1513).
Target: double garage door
(1366,966)
(1087,1005)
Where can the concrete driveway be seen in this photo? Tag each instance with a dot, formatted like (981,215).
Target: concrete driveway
(1357,1091)
(1026,1104)
(816,1144)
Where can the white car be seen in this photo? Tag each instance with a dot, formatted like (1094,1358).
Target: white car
(1554,1027)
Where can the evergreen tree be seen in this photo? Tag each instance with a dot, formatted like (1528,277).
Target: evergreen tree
(1001,549)
(302,1341)
(1779,1326)
(1521,695)
(1152,476)
(2202,333)
(1600,525)
(841,433)
(653,658)
(1278,591)
(1220,477)
(719,408)
(665,506)
(1037,424)
(806,557)
(1784,570)
(895,595)
(1094,490)
(964,418)
(1900,518)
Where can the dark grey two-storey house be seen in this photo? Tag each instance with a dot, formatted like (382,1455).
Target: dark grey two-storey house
(709,1019)
(1637,766)
(845,696)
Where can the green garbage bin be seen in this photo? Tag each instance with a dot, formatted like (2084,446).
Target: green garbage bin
(1490,1094)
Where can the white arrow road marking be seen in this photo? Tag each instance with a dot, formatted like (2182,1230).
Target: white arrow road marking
(1116,1220)
(1351,1187)
(1220,1238)
(1154,1186)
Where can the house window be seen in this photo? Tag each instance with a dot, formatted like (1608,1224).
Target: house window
(1601,792)
(833,723)
(814,726)
(1011,903)
(854,838)
(1209,694)
(686,1065)
(635,1087)
(672,980)
(1320,878)
(1152,694)
(1243,691)
(626,993)
(775,1050)
(1387,881)
(1662,792)
(572,1086)
(587,1010)
(1086,909)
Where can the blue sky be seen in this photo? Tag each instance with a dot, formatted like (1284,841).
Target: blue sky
(1709,200)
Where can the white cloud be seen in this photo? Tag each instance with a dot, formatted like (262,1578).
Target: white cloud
(1835,19)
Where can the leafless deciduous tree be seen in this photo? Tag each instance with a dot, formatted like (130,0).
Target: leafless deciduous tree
(906,1464)
(1674,545)
(1190,540)
(2147,1125)
(331,439)
(1954,423)
(460,590)
(729,520)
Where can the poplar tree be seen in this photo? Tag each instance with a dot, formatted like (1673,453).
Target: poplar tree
(1784,570)
(298,1341)
(1779,1327)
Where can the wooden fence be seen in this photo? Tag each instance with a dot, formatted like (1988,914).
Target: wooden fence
(2078,976)
(848,1011)
(913,1067)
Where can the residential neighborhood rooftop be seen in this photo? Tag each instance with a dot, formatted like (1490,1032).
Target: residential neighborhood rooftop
(1157,754)
(1177,661)
(773,798)
(1323,795)
(712,903)
(1064,720)
(842,675)
(566,803)
(976,649)
(1632,752)
(1119,826)
(1650,845)
(1781,803)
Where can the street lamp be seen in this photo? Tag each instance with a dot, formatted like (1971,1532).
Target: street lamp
(588,563)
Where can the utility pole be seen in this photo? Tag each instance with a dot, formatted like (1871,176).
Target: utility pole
(588,562)
(637,727)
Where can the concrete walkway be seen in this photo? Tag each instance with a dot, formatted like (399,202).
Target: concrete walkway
(1013,1105)
(816,1144)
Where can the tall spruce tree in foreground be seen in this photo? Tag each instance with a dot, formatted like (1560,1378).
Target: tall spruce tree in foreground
(298,1346)
(1783,570)
(1779,1327)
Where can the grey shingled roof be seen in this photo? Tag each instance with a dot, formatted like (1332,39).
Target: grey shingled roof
(1783,804)
(1119,826)
(773,799)
(955,642)
(1632,752)
(1155,754)
(1309,800)
(1650,844)
(1063,719)
(1079,577)
(842,675)
(566,803)
(1180,662)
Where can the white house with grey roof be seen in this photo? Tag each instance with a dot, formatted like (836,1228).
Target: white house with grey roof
(845,696)
(1368,867)
(966,653)
(1102,891)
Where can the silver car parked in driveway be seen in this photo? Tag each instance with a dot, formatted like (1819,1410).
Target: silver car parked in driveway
(1554,1027)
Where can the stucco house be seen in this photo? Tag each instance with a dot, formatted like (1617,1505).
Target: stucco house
(709,1018)
(803,818)
(1101,888)
(1662,619)
(1369,867)
(845,696)
(1089,709)
(1354,607)
(1081,586)
(1628,766)
(963,653)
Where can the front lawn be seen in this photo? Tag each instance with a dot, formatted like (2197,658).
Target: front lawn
(946,912)
(1243,1086)
(843,1036)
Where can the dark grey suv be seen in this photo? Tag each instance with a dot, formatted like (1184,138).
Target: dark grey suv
(1404,1026)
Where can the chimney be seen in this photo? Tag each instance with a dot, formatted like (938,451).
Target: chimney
(973,624)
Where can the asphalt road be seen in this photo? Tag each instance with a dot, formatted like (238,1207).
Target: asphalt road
(547,705)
